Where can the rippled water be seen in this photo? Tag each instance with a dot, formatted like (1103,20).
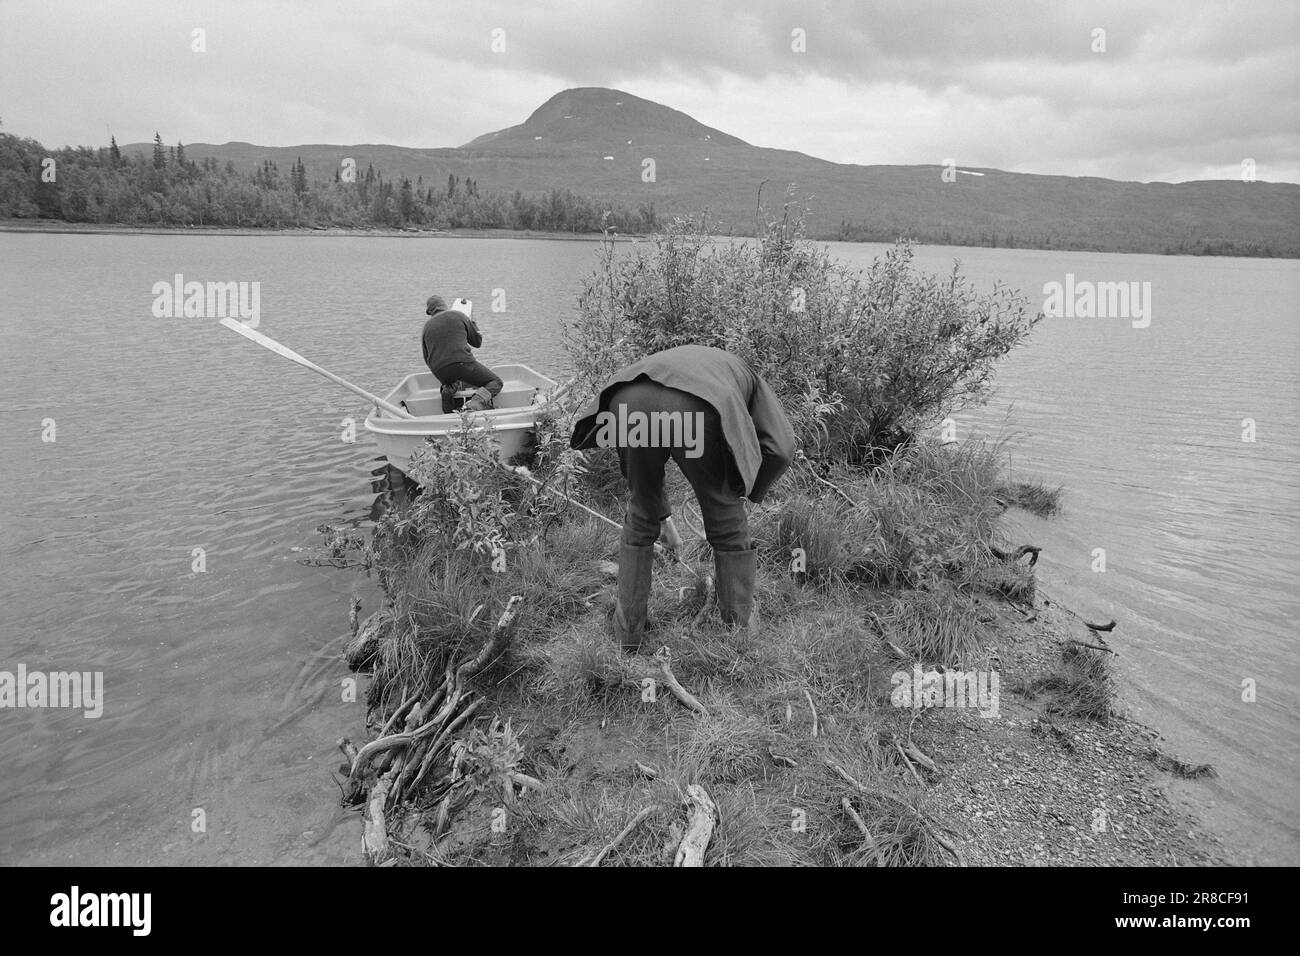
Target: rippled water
(1201,530)
(223,687)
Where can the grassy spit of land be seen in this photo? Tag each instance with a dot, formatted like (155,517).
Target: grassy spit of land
(912,697)
(801,739)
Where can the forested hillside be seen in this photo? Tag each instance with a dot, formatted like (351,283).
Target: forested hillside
(169,188)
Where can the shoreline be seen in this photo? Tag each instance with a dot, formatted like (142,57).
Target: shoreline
(60,227)
(1059,777)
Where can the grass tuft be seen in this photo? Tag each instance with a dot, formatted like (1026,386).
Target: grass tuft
(1082,685)
(1033,496)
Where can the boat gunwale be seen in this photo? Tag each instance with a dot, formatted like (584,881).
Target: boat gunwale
(430,424)
(496,419)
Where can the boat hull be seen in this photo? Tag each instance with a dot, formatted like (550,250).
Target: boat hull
(522,401)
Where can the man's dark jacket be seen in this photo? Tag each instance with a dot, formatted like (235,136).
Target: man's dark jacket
(754,423)
(448,337)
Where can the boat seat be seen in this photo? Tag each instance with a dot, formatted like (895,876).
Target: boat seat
(428,401)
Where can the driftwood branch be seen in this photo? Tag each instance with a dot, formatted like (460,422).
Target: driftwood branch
(1025,549)
(925,817)
(844,775)
(670,680)
(868,840)
(374,838)
(956,853)
(699,827)
(785,760)
(1029,615)
(1095,628)
(639,671)
(636,821)
(812,470)
(525,781)
(908,762)
(1095,647)
(920,757)
(814,711)
(493,644)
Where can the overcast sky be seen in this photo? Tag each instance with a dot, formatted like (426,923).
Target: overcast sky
(1185,89)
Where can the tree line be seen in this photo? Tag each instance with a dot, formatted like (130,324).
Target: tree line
(101,185)
(1114,239)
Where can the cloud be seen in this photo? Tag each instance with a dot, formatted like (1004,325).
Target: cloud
(1182,88)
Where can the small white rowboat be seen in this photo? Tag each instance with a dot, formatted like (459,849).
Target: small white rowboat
(524,396)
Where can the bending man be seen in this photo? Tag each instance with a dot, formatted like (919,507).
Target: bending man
(447,339)
(709,412)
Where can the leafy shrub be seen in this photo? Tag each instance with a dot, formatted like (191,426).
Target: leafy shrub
(860,359)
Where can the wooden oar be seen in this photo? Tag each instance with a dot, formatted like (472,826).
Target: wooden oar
(292,356)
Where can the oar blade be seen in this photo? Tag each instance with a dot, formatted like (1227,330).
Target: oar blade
(253,335)
(282,350)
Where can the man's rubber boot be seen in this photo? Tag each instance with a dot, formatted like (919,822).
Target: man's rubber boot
(736,571)
(634,569)
(482,399)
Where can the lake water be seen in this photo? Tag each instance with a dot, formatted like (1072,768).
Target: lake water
(223,688)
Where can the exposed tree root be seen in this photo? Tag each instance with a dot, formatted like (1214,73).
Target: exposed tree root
(429,728)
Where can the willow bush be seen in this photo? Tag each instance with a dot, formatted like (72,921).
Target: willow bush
(861,359)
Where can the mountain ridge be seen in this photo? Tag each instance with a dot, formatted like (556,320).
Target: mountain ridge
(578,139)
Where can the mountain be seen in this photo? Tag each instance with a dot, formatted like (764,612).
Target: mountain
(595,141)
(573,122)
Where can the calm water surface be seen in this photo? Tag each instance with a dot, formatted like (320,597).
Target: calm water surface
(223,687)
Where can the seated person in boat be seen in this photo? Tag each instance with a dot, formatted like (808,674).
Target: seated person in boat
(712,414)
(447,339)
